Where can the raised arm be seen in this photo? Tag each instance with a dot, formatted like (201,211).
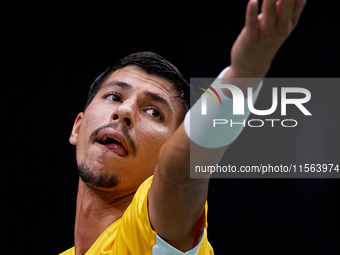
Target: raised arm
(176,201)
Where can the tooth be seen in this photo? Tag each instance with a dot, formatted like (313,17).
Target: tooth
(105,138)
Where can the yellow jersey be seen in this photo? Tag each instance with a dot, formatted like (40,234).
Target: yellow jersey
(133,234)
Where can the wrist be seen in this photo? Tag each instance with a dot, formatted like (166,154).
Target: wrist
(250,72)
(242,79)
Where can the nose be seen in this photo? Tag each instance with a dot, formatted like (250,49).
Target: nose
(124,113)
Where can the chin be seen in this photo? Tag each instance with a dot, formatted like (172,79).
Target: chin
(97,179)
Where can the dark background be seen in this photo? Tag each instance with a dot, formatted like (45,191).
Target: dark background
(53,53)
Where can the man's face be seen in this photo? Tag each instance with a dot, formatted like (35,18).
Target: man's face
(121,132)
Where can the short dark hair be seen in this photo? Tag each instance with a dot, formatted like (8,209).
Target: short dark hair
(152,64)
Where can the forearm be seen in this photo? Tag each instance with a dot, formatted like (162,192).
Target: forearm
(176,201)
(174,157)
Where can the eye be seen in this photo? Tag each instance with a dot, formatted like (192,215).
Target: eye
(155,113)
(113,97)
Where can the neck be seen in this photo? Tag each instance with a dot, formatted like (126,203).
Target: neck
(96,211)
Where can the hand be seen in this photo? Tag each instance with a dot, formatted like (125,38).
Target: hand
(263,35)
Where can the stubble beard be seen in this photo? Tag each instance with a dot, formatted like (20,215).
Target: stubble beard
(100,181)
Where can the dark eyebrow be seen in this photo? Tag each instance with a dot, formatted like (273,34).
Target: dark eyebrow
(157,98)
(120,84)
(148,94)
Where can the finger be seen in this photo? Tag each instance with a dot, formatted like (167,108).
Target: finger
(284,16)
(299,5)
(252,22)
(268,11)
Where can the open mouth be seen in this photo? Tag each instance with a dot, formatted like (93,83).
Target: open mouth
(113,144)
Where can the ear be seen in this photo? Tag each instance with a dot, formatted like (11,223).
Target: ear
(75,129)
